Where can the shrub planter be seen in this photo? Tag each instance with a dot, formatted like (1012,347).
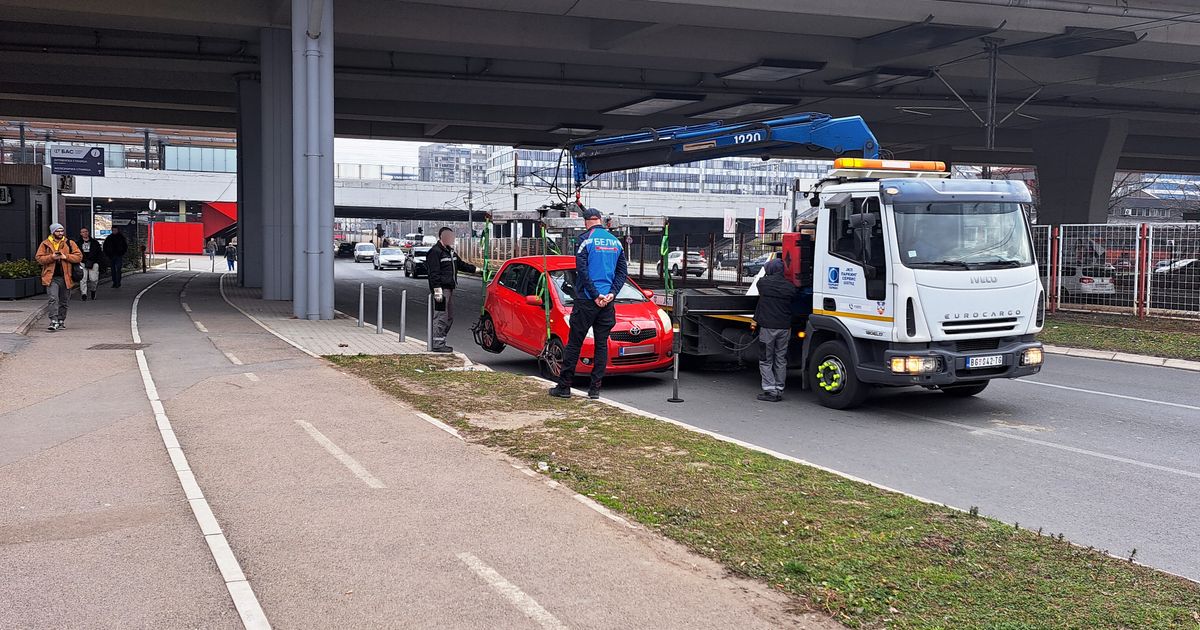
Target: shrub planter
(15,289)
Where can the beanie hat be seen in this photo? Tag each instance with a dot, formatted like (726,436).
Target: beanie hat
(774,267)
(54,227)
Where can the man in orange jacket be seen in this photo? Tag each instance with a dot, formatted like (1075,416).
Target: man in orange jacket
(58,255)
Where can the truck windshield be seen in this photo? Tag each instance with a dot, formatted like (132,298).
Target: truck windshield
(962,235)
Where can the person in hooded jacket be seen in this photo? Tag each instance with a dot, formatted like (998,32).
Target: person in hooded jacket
(93,261)
(58,255)
(773,317)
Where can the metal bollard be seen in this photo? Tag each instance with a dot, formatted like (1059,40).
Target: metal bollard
(361,289)
(429,325)
(677,310)
(379,312)
(189,263)
(403,313)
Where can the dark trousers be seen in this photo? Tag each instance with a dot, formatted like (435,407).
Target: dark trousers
(118,265)
(587,316)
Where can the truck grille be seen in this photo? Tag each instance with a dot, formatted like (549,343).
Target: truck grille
(644,334)
(974,345)
(965,327)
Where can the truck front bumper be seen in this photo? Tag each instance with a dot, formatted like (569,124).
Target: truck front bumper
(953,364)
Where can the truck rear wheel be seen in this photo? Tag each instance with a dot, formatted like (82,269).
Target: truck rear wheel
(831,375)
(967,389)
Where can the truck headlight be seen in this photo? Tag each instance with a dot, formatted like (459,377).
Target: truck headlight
(1032,356)
(915,365)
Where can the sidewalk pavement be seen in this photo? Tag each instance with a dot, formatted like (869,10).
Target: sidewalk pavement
(343,507)
(16,316)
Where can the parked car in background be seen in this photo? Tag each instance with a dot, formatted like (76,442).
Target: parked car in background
(413,239)
(1095,279)
(751,268)
(414,263)
(1176,286)
(364,251)
(515,315)
(696,264)
(344,250)
(389,257)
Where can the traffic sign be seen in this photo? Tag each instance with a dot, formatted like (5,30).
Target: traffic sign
(67,160)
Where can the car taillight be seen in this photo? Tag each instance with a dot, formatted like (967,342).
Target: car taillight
(1086,281)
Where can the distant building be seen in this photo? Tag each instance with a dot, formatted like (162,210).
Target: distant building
(731,176)
(451,163)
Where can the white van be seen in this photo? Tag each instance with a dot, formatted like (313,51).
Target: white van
(364,251)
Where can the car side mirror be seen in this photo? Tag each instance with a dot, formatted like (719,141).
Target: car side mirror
(534,300)
(648,293)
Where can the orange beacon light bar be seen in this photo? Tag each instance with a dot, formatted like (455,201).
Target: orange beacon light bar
(888,165)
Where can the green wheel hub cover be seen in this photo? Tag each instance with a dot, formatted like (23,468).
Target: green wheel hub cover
(830,375)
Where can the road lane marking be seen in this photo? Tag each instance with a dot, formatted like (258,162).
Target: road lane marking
(1110,395)
(252,376)
(1053,445)
(200,327)
(341,455)
(512,593)
(244,601)
(186,308)
(232,359)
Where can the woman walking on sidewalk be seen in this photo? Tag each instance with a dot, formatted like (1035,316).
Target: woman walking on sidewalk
(58,255)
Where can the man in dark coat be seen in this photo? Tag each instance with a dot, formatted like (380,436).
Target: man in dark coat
(773,317)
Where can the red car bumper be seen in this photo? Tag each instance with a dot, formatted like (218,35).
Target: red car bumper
(618,363)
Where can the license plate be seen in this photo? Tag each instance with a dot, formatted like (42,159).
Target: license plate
(629,351)
(982,362)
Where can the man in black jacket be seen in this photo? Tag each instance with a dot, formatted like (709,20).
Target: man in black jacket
(115,247)
(773,316)
(444,264)
(93,261)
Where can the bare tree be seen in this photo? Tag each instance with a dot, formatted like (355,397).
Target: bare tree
(1127,184)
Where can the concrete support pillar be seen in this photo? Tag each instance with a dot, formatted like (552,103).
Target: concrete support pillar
(1076,163)
(249,181)
(276,147)
(312,155)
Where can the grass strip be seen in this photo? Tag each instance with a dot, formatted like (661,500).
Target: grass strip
(1169,339)
(868,557)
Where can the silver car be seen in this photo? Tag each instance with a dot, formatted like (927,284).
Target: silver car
(389,257)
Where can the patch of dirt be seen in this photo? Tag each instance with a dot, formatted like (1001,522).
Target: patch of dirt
(508,420)
(851,502)
(937,543)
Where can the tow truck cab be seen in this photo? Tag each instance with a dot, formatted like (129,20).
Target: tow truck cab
(921,280)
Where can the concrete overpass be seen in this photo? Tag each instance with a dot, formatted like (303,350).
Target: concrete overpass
(388,199)
(1075,88)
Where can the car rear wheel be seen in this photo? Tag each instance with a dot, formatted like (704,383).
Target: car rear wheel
(831,375)
(963,391)
(551,361)
(487,335)
(674,270)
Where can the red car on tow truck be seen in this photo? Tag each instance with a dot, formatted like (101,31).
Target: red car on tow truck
(515,315)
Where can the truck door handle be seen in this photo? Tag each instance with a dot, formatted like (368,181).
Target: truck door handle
(829,304)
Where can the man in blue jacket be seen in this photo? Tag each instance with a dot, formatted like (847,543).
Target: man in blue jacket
(600,272)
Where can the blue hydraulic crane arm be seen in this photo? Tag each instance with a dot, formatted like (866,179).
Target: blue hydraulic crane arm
(677,145)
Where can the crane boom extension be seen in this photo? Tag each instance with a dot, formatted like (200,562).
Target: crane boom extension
(677,145)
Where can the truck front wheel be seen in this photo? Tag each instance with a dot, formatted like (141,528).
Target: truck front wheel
(831,375)
(967,389)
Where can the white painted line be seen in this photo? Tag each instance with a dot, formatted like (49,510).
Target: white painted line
(200,327)
(230,570)
(253,617)
(232,359)
(186,308)
(1053,445)
(244,600)
(265,327)
(514,595)
(252,376)
(607,513)
(1109,394)
(341,455)
(191,489)
(439,424)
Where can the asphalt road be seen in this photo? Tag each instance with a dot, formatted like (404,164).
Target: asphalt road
(1102,452)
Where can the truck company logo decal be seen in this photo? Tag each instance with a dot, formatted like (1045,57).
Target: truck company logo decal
(834,277)
(984,314)
(984,279)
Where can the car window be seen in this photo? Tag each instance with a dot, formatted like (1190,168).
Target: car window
(365,247)
(1097,272)
(513,277)
(564,287)
(391,251)
(420,253)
